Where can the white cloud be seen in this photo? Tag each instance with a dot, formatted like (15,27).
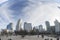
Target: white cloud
(5,16)
(37,12)
(40,12)
(1,1)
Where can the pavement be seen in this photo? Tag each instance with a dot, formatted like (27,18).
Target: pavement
(35,37)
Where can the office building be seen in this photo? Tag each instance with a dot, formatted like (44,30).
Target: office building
(53,29)
(41,28)
(57,26)
(19,25)
(48,26)
(27,26)
(10,26)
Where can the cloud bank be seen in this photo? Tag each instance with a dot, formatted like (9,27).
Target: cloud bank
(34,11)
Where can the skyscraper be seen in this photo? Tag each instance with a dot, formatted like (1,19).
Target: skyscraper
(48,26)
(27,26)
(10,26)
(19,25)
(41,28)
(57,26)
(53,29)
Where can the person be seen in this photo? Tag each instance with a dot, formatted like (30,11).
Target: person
(50,39)
(22,36)
(38,36)
(10,39)
(46,39)
(42,36)
(58,38)
(0,38)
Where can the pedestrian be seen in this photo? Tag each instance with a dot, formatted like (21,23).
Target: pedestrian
(42,36)
(58,38)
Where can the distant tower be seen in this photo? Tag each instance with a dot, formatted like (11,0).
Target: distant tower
(41,28)
(27,26)
(10,26)
(48,26)
(57,26)
(19,25)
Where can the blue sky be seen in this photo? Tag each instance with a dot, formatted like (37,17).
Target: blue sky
(33,11)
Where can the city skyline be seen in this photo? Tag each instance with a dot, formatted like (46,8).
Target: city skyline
(32,11)
(28,27)
(25,25)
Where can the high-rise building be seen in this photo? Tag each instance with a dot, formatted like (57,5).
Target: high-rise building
(57,26)
(35,28)
(53,29)
(19,25)
(48,26)
(10,26)
(27,26)
(41,28)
